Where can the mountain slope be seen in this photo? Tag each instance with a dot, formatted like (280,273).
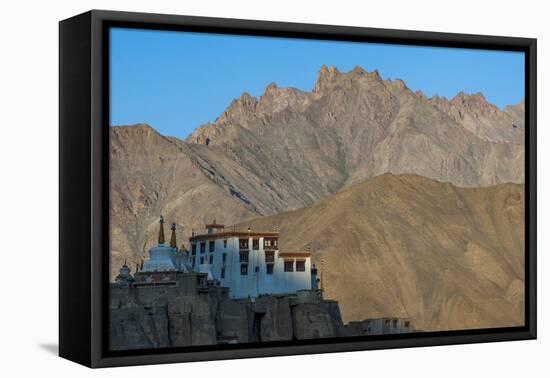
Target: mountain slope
(355,125)
(152,175)
(485,120)
(404,245)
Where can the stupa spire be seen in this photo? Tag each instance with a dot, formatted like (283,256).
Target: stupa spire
(161,230)
(173,242)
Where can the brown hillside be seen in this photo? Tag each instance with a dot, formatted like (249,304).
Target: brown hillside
(404,245)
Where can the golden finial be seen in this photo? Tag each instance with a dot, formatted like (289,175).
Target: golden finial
(173,242)
(161,230)
(183,248)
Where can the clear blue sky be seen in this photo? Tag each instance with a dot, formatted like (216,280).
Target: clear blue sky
(176,81)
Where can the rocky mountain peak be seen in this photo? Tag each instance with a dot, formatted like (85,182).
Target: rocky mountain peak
(419,94)
(239,110)
(247,101)
(325,78)
(275,99)
(464,98)
(375,75)
(271,89)
(398,83)
(358,70)
(334,93)
(141,131)
(474,103)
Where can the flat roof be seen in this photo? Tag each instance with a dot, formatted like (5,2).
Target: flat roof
(233,234)
(295,254)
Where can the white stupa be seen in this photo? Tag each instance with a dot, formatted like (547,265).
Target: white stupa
(166,258)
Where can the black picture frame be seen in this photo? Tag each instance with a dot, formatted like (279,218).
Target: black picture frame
(84,194)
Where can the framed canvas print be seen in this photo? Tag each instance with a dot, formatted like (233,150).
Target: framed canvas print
(234,188)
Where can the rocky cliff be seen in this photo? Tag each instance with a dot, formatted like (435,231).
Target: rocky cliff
(191,313)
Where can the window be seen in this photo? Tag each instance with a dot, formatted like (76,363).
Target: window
(387,323)
(255,244)
(269,256)
(270,243)
(222,273)
(407,324)
(224,257)
(225,243)
(244,269)
(193,249)
(289,266)
(243,257)
(211,245)
(193,261)
(394,323)
(203,247)
(243,243)
(300,266)
(269,268)
(211,259)
(202,260)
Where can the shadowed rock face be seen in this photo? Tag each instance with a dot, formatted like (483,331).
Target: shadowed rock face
(411,247)
(179,315)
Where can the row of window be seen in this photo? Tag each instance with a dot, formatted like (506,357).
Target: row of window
(210,259)
(244,269)
(268,243)
(211,247)
(394,323)
(269,260)
(269,256)
(300,265)
(243,244)
(288,267)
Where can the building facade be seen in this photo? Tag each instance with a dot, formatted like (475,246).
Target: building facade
(249,263)
(380,326)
